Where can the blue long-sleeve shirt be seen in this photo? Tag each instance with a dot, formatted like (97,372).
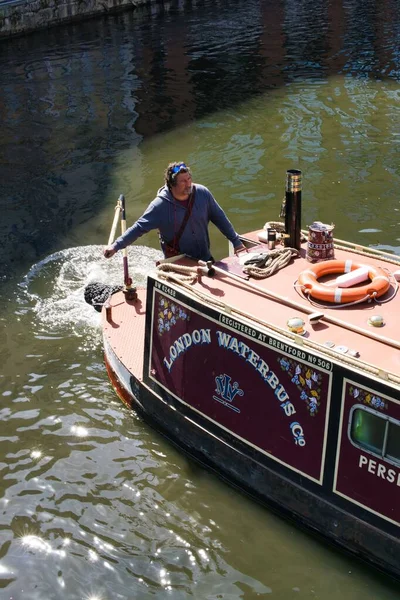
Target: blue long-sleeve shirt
(166,214)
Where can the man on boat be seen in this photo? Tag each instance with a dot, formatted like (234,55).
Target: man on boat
(181,212)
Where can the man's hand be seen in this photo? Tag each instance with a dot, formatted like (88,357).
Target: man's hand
(109,251)
(239,249)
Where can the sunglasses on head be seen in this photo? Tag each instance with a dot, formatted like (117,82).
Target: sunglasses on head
(177,168)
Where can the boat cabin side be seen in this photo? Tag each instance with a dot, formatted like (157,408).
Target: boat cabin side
(325,426)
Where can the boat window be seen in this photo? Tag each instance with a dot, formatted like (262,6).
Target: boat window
(376,433)
(368,430)
(393,443)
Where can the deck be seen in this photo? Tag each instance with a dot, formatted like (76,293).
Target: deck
(342,333)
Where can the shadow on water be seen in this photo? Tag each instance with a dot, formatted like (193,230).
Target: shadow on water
(96,504)
(75,97)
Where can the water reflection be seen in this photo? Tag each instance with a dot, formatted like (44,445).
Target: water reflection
(92,92)
(95,504)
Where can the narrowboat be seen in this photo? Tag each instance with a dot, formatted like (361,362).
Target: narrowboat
(279,370)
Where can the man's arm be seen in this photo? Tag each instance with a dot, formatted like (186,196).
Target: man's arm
(144,224)
(220,220)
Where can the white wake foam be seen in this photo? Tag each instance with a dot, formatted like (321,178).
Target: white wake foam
(54,288)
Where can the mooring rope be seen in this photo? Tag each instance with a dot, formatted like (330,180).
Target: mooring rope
(269,263)
(165,272)
(184,276)
(177,272)
(261,267)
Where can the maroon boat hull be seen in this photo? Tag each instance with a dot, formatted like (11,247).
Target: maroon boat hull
(268,414)
(236,465)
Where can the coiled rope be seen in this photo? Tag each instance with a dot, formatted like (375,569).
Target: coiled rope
(185,277)
(177,272)
(270,262)
(172,272)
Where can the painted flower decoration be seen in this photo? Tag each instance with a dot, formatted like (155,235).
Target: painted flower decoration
(368,398)
(285,364)
(307,381)
(168,314)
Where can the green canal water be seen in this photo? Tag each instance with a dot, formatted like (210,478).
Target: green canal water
(94,504)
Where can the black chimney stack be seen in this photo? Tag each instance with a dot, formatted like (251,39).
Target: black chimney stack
(293,209)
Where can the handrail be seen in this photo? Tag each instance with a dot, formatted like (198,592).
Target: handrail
(295,338)
(309,311)
(370,252)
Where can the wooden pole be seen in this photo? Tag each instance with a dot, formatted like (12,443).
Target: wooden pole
(127,279)
(120,212)
(115,222)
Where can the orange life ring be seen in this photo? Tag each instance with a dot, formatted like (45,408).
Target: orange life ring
(309,283)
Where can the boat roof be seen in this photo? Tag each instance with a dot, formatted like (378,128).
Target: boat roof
(343,333)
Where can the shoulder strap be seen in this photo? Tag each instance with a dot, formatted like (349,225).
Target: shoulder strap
(178,235)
